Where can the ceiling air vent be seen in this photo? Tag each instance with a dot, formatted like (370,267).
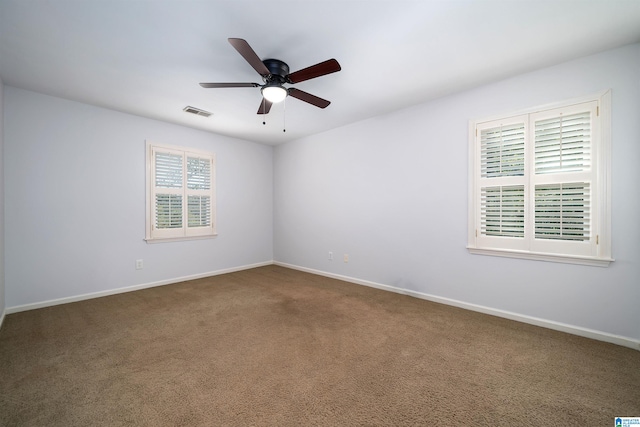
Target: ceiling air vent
(197,111)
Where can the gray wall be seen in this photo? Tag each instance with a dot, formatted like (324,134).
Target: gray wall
(75,201)
(392,193)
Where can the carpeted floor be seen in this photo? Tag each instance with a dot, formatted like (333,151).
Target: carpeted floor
(277,347)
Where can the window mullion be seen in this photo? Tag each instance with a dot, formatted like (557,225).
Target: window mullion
(185,218)
(528,193)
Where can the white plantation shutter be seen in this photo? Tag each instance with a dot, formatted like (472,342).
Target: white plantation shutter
(168,211)
(168,168)
(563,143)
(198,173)
(502,211)
(167,179)
(199,208)
(563,179)
(502,151)
(500,195)
(540,184)
(168,194)
(180,195)
(562,211)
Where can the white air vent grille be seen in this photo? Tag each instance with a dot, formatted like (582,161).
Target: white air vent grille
(197,111)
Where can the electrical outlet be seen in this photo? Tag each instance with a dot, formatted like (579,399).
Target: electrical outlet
(346,258)
(330,256)
(139,264)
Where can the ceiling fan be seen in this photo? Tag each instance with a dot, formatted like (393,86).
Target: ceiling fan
(275,74)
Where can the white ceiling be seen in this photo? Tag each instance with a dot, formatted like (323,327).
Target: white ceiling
(146,57)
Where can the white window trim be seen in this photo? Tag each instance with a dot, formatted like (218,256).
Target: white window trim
(149,204)
(602,225)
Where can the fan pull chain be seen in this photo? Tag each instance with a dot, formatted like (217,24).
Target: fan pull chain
(264,116)
(284,115)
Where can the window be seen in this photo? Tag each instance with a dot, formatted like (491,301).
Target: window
(539,183)
(180,193)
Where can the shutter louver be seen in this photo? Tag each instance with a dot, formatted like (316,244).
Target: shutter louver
(502,211)
(198,173)
(168,169)
(563,143)
(168,211)
(502,151)
(562,212)
(199,211)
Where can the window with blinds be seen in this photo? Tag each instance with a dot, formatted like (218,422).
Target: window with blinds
(539,183)
(180,197)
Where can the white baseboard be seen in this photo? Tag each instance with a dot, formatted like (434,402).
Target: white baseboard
(49,303)
(549,324)
(571,329)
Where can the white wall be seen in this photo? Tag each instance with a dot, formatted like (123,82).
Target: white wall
(2,280)
(75,201)
(392,193)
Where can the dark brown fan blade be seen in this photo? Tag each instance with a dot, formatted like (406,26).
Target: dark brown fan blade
(249,55)
(220,85)
(327,67)
(307,97)
(265,106)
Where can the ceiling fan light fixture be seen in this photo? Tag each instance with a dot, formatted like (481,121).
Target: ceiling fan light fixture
(274,94)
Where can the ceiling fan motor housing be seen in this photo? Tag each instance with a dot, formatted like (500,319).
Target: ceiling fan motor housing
(278,71)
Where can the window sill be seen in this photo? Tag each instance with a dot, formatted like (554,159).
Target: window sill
(180,239)
(567,259)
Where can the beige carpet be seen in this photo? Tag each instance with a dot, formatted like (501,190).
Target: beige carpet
(277,347)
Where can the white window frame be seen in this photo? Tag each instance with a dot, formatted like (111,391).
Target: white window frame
(596,251)
(185,232)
